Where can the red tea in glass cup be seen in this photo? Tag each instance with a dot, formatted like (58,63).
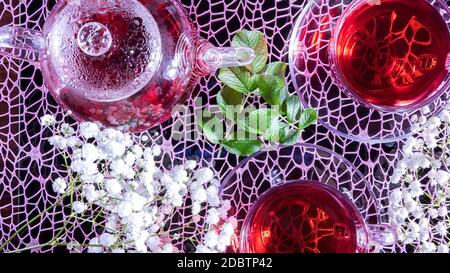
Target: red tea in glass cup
(392,54)
(309,217)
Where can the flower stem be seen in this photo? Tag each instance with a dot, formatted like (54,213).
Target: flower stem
(34,219)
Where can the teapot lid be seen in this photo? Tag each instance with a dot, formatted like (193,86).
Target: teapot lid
(106,49)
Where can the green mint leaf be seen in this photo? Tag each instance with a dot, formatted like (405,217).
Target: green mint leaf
(291,138)
(212,127)
(236,78)
(230,102)
(276,69)
(253,82)
(292,109)
(307,117)
(240,145)
(260,120)
(256,41)
(273,89)
(277,131)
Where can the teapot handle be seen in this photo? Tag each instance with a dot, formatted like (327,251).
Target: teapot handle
(21,43)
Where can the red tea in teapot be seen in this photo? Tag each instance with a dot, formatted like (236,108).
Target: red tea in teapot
(130,82)
(306,217)
(125,64)
(394,53)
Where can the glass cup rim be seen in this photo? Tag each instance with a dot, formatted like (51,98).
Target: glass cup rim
(303,145)
(336,72)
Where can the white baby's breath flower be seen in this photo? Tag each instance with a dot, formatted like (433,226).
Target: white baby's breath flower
(445,116)
(422,120)
(59,185)
(48,120)
(434,122)
(115,149)
(66,130)
(140,242)
(426,110)
(430,139)
(442,248)
(119,168)
(89,152)
(396,176)
(204,175)
(107,240)
(401,215)
(153,243)
(428,247)
(213,196)
(180,175)
(395,197)
(228,229)
(78,207)
(442,177)
(113,187)
(58,142)
(433,213)
(90,193)
(418,212)
(443,211)
(137,201)
(73,141)
(124,209)
(94,246)
(213,217)
(129,159)
(441,229)
(200,195)
(89,130)
(211,239)
(203,249)
(168,248)
(409,146)
(190,164)
(156,150)
(411,206)
(196,208)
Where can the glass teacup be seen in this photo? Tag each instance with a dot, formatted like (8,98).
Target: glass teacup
(392,55)
(309,217)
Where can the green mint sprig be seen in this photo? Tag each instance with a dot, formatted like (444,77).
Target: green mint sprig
(249,128)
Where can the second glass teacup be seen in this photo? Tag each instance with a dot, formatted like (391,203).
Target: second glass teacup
(309,217)
(392,55)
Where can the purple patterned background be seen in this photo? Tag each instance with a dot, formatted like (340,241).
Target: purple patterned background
(28,164)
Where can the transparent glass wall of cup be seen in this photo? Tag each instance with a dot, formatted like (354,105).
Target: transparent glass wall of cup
(123,63)
(392,55)
(309,217)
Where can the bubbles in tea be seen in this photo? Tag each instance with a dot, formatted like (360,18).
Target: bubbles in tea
(113,51)
(393,54)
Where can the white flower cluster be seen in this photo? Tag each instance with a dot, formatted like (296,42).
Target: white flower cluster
(138,199)
(419,207)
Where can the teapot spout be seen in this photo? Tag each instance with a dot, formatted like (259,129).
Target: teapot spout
(210,58)
(21,43)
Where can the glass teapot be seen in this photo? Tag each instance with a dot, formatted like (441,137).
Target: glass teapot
(123,63)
